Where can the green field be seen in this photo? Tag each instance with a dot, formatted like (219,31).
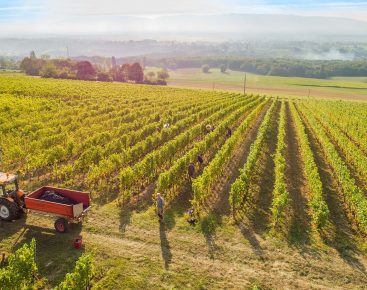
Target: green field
(280,203)
(336,88)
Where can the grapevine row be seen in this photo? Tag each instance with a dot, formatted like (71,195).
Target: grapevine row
(353,154)
(203,184)
(175,174)
(239,188)
(353,195)
(147,168)
(135,153)
(319,208)
(280,192)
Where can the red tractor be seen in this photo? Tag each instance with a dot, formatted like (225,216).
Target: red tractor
(11,197)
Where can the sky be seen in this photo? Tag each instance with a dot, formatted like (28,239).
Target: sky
(18,16)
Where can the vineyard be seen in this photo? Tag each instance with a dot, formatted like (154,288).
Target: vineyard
(291,169)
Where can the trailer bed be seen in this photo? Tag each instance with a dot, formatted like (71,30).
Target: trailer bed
(71,211)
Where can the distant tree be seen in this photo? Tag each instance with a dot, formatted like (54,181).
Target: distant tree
(113,62)
(7,63)
(149,77)
(223,68)
(136,73)
(205,68)
(32,66)
(104,77)
(151,74)
(49,70)
(32,55)
(125,70)
(114,74)
(66,73)
(163,74)
(120,73)
(85,71)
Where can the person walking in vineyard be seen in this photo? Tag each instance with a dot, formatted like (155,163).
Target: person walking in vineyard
(160,206)
(200,160)
(209,128)
(191,219)
(191,170)
(229,132)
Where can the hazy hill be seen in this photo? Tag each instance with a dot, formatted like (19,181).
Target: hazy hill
(186,31)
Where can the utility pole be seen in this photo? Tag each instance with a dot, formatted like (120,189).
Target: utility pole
(67,52)
(244,85)
(213,85)
(309,92)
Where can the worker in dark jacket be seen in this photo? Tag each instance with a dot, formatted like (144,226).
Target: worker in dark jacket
(191,170)
(229,132)
(191,219)
(160,206)
(200,160)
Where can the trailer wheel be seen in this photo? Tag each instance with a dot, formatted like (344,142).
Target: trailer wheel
(8,210)
(61,225)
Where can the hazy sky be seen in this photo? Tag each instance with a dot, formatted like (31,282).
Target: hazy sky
(66,15)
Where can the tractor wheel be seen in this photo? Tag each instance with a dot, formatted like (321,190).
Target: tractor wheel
(61,225)
(8,210)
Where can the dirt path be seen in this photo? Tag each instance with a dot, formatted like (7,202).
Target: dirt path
(299,226)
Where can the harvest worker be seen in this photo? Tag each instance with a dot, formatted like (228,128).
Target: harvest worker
(191,170)
(160,206)
(229,132)
(208,128)
(200,159)
(191,220)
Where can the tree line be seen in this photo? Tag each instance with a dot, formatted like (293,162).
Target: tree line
(269,66)
(122,71)
(85,70)
(8,64)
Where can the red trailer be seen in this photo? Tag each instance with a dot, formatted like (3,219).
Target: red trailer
(64,213)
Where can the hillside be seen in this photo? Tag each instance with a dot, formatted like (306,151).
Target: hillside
(281,202)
